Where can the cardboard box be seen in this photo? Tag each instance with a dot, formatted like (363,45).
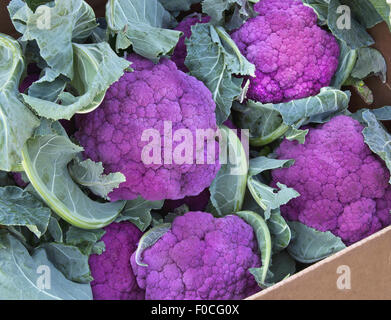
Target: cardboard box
(361,271)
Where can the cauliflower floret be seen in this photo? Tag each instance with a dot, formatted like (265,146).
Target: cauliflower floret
(200,258)
(343,186)
(143,100)
(293,56)
(112,273)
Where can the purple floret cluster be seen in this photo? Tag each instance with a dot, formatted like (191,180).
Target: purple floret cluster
(293,56)
(180,51)
(343,186)
(112,273)
(142,100)
(201,257)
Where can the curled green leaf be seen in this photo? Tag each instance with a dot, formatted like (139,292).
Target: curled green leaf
(20,208)
(138,211)
(377,138)
(228,188)
(96,68)
(45,161)
(90,174)
(20,272)
(54,28)
(214,58)
(310,245)
(144,25)
(268,198)
(17,122)
(262,233)
(345,27)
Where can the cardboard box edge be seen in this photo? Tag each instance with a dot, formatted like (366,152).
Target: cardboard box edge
(264,294)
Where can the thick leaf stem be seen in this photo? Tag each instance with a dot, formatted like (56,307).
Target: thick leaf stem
(262,141)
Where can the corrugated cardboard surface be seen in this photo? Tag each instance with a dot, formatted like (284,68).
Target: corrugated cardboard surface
(366,266)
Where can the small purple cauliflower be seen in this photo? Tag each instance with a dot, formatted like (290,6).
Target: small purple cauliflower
(180,51)
(293,56)
(343,186)
(143,100)
(112,273)
(200,258)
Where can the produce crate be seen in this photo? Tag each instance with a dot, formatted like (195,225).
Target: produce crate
(361,271)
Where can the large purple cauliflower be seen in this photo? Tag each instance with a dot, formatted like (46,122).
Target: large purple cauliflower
(293,56)
(112,273)
(343,186)
(201,257)
(180,51)
(147,99)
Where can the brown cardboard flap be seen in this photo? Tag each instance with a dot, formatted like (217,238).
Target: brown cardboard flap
(369,265)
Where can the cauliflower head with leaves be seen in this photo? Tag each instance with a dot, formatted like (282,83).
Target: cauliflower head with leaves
(112,273)
(343,186)
(200,258)
(143,100)
(293,56)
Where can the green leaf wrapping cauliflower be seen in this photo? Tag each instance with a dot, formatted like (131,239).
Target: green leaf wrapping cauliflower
(343,186)
(201,257)
(293,56)
(143,100)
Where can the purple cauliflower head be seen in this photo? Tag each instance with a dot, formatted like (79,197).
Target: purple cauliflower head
(148,99)
(200,258)
(293,56)
(343,186)
(112,273)
(180,51)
